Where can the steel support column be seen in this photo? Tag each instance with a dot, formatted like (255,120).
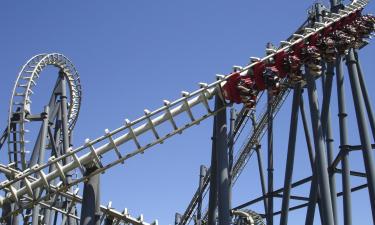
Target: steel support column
(270,168)
(64,114)
(202,174)
(222,163)
(90,212)
(343,142)
(327,131)
(48,214)
(212,202)
(362,127)
(261,177)
(42,147)
(321,161)
(307,134)
(231,140)
(232,121)
(65,133)
(290,155)
(319,182)
(366,98)
(313,196)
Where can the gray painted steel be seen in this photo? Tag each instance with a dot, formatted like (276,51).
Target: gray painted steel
(366,97)
(343,142)
(222,163)
(66,139)
(261,176)
(212,201)
(319,123)
(290,155)
(202,174)
(107,146)
(270,168)
(90,212)
(309,146)
(321,161)
(362,128)
(327,130)
(231,134)
(42,147)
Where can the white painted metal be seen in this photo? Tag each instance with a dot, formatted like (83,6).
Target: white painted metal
(146,123)
(20,102)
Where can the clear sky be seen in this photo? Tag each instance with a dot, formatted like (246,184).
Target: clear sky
(131,55)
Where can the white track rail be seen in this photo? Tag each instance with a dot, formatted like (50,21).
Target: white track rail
(94,150)
(20,103)
(106,211)
(242,157)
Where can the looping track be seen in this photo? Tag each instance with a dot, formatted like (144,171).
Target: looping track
(151,120)
(21,101)
(91,153)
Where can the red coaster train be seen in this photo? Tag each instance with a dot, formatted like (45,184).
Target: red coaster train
(350,32)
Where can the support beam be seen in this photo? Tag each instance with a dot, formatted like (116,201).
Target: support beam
(327,131)
(202,174)
(362,127)
(313,197)
(41,150)
(261,177)
(48,214)
(366,97)
(232,121)
(90,212)
(307,133)
(290,155)
(321,161)
(222,163)
(231,139)
(278,191)
(270,168)
(343,142)
(212,202)
(65,133)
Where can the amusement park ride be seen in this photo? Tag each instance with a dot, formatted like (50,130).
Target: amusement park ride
(42,188)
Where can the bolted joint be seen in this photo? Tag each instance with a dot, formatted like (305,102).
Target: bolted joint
(350,62)
(342,115)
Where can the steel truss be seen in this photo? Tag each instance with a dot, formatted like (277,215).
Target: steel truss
(39,188)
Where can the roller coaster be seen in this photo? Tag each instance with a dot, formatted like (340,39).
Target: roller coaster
(42,176)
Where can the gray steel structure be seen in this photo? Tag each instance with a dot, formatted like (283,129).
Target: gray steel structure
(43,188)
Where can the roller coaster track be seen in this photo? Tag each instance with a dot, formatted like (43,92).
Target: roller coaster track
(190,105)
(20,103)
(243,155)
(107,211)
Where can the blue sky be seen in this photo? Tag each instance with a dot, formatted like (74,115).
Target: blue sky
(131,55)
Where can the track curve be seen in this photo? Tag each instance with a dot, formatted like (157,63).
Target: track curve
(20,102)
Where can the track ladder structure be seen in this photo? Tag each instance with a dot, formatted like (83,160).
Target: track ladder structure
(189,110)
